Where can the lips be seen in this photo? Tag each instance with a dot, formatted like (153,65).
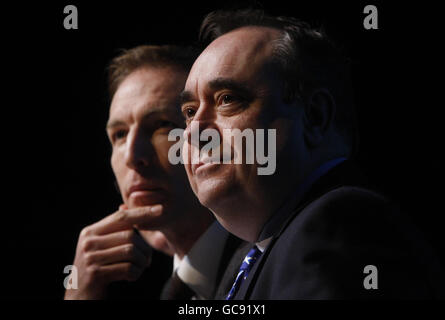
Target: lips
(144,187)
(203,161)
(146,194)
(196,166)
(207,161)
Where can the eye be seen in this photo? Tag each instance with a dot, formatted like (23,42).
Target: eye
(188,112)
(227,99)
(119,134)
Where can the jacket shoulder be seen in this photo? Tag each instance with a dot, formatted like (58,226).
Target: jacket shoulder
(323,251)
(347,207)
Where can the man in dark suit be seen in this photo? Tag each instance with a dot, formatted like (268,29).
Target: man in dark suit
(160,210)
(319,232)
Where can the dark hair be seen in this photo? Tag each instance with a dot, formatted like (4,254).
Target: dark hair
(306,58)
(148,56)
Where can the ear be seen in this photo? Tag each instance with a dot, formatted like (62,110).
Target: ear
(319,112)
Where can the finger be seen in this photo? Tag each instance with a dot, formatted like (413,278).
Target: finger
(123,207)
(115,239)
(124,219)
(123,253)
(120,271)
(143,216)
(113,223)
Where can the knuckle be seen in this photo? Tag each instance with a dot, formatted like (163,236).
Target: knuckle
(89,259)
(128,268)
(87,231)
(88,244)
(94,271)
(121,216)
(129,249)
(128,235)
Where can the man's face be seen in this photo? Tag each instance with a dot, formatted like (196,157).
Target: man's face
(233,84)
(144,109)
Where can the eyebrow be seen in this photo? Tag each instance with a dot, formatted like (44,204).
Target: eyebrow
(186,96)
(219,84)
(225,83)
(114,123)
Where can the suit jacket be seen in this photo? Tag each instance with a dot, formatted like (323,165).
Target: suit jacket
(321,248)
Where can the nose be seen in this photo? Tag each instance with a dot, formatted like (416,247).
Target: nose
(139,150)
(203,119)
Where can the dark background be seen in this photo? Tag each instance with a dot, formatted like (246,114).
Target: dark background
(57,175)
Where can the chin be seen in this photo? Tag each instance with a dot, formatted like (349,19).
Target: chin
(213,193)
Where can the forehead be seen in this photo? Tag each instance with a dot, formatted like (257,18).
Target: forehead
(148,88)
(241,54)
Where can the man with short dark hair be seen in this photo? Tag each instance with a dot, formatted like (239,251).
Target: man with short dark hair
(315,225)
(159,207)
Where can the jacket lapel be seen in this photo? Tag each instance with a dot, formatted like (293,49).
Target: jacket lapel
(345,173)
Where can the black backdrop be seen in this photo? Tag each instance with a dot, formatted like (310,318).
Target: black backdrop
(57,175)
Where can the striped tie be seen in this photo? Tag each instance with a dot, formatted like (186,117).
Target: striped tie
(246,266)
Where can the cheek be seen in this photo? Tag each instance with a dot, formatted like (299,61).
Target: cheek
(114,163)
(283,133)
(117,164)
(175,173)
(161,147)
(288,123)
(244,147)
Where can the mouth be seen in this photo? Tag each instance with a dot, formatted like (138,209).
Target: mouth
(202,167)
(206,162)
(145,190)
(203,161)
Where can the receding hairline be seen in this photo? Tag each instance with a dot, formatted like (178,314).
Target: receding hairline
(154,107)
(274,32)
(121,66)
(268,43)
(261,42)
(149,67)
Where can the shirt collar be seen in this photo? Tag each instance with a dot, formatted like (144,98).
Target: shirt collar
(262,245)
(198,268)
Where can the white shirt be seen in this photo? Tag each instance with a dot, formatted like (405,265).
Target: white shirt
(198,268)
(262,245)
